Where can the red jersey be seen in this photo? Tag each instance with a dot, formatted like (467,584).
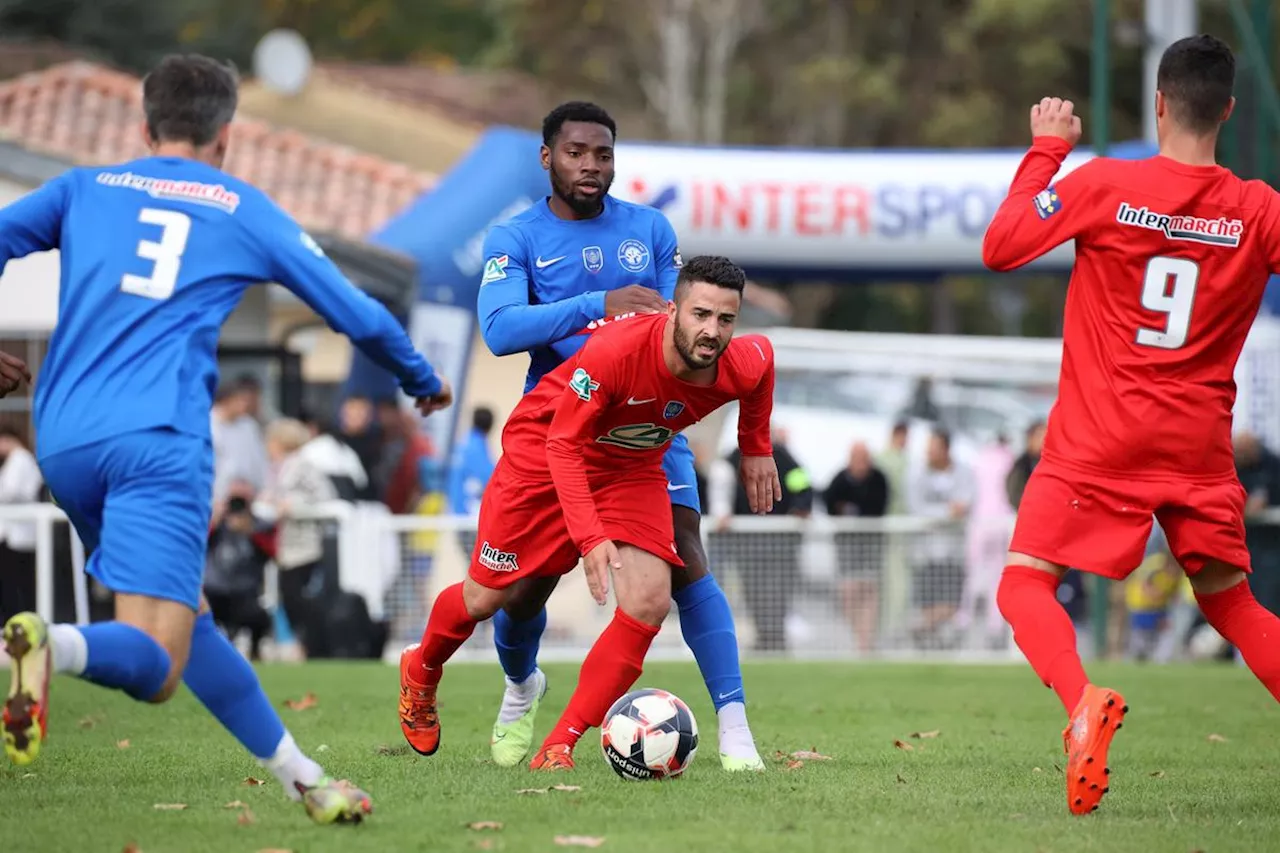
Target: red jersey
(608,413)
(1170,265)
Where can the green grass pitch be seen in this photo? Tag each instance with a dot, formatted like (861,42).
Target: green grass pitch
(989,781)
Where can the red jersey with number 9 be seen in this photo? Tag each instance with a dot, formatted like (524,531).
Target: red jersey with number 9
(1171,262)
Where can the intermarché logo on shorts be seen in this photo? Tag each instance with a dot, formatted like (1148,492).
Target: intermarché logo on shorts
(498,561)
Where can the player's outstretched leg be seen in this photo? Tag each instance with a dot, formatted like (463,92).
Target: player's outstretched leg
(1228,605)
(643,592)
(706,622)
(227,686)
(1043,631)
(454,616)
(517,636)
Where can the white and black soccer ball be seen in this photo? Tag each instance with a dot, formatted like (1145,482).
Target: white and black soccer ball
(649,734)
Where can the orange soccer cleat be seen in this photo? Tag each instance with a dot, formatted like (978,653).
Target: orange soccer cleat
(557,756)
(1086,739)
(419,720)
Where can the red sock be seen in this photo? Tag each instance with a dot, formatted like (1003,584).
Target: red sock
(613,665)
(448,627)
(1248,626)
(1028,600)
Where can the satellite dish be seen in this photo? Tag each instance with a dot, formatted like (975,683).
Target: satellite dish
(282,61)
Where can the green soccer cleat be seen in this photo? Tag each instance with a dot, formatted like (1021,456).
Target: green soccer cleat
(26,710)
(330,801)
(741,765)
(512,741)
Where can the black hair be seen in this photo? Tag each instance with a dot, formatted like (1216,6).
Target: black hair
(901,426)
(1196,76)
(575,111)
(1035,425)
(482,419)
(944,435)
(189,98)
(8,431)
(713,269)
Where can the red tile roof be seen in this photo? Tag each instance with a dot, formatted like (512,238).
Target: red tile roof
(91,115)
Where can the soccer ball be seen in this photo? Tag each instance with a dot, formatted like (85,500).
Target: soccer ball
(649,734)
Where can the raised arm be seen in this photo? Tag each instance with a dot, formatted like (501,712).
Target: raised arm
(1037,217)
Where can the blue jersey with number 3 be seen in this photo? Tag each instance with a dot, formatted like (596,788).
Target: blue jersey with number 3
(155,254)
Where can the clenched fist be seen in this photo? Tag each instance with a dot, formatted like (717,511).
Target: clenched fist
(1055,117)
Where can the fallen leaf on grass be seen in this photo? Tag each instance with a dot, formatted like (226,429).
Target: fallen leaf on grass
(480,825)
(246,817)
(275,850)
(794,765)
(532,790)
(252,782)
(566,787)
(902,744)
(169,807)
(403,749)
(131,848)
(236,804)
(1059,769)
(123,744)
(1159,774)
(1036,770)
(28,776)
(919,735)
(578,841)
(1217,739)
(900,779)
(324,747)
(307,701)
(811,755)
(91,721)
(484,844)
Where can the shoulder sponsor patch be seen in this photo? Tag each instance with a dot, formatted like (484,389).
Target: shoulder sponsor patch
(677,261)
(495,269)
(582,384)
(1047,202)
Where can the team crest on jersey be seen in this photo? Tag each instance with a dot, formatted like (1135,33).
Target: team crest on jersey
(593,259)
(677,262)
(495,269)
(1047,202)
(1215,232)
(582,384)
(633,255)
(672,409)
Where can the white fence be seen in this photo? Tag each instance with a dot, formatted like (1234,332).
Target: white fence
(821,587)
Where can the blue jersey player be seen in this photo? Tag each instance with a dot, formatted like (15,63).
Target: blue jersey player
(156,253)
(573,258)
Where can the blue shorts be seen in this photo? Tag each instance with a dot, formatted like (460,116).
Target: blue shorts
(142,502)
(682,482)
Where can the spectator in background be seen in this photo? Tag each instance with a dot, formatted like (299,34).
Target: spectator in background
(859,490)
(20,483)
(1259,472)
(336,459)
(235,567)
(892,462)
(987,541)
(472,465)
(1149,592)
(239,452)
(356,428)
(942,489)
(404,446)
(769,561)
(299,486)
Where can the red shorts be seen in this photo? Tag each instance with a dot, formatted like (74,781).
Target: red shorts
(522,532)
(1100,524)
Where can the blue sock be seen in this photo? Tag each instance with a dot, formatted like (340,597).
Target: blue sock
(707,624)
(226,684)
(517,643)
(123,657)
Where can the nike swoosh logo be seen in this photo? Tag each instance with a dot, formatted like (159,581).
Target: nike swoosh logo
(540,263)
(674,487)
(730,693)
(634,402)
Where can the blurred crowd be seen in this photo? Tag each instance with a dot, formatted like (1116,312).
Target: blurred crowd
(927,584)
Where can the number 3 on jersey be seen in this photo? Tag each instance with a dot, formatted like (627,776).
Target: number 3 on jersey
(165,253)
(1169,288)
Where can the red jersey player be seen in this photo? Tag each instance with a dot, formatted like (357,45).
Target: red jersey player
(581,476)
(1172,255)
